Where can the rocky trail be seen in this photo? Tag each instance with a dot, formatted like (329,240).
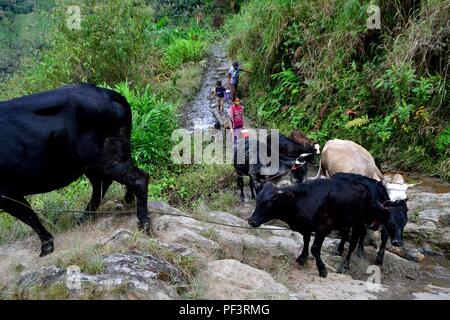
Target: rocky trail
(188,258)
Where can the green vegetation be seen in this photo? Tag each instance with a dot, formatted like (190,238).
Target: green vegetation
(315,60)
(120,45)
(153,123)
(313,64)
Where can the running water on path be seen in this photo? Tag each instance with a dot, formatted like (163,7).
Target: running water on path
(199,114)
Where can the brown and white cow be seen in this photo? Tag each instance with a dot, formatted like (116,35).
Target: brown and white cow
(347,156)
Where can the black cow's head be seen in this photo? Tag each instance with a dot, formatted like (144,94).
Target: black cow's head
(268,204)
(290,172)
(394,218)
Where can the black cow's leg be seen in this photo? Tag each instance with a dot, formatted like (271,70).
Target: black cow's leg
(137,180)
(356,233)
(303,257)
(384,240)
(315,250)
(252,188)
(129,195)
(240,184)
(340,249)
(22,211)
(99,188)
(360,251)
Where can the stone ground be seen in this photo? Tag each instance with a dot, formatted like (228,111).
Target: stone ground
(187,258)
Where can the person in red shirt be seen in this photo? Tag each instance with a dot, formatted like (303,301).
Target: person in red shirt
(236,115)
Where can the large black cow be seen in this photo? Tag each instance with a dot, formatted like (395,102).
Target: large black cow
(321,206)
(395,221)
(50,139)
(290,170)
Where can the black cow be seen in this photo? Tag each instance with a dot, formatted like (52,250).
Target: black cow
(321,206)
(295,168)
(297,144)
(50,139)
(395,222)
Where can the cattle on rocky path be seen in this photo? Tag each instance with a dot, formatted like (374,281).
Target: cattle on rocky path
(48,140)
(285,171)
(324,205)
(395,224)
(293,154)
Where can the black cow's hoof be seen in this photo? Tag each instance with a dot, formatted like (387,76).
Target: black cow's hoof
(343,269)
(83,218)
(323,273)
(145,227)
(361,254)
(47,247)
(242,199)
(301,260)
(379,261)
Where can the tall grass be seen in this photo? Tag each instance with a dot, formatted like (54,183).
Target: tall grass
(153,123)
(183,50)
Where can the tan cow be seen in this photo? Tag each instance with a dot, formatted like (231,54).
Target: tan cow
(347,156)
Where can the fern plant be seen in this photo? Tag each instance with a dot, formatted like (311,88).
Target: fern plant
(358,122)
(443,142)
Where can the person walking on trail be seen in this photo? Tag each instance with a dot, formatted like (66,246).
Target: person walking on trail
(236,115)
(220,94)
(233,79)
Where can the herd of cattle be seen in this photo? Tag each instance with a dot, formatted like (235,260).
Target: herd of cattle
(50,139)
(351,196)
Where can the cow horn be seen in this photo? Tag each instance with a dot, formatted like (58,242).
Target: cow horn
(304,155)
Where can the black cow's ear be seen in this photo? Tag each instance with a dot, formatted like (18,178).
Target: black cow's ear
(290,195)
(387,203)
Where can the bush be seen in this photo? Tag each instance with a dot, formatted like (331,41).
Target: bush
(317,61)
(107,48)
(153,123)
(183,50)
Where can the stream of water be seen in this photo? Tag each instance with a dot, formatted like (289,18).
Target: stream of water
(199,115)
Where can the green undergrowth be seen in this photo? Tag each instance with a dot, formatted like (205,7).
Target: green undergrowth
(317,67)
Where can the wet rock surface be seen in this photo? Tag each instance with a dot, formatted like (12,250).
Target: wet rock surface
(235,263)
(429,220)
(133,274)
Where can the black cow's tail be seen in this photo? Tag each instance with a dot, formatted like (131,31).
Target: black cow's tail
(120,99)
